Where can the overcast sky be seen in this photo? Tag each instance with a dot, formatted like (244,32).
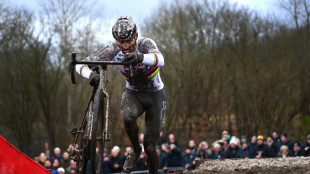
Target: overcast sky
(141,9)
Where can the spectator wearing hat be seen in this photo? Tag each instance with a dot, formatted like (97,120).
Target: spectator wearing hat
(261,150)
(244,152)
(217,152)
(272,146)
(252,145)
(286,141)
(61,170)
(225,135)
(305,148)
(232,150)
(243,139)
(188,158)
(107,164)
(296,150)
(116,159)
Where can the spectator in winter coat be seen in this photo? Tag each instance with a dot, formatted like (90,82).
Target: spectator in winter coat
(252,145)
(231,151)
(296,150)
(225,135)
(192,146)
(284,152)
(202,151)
(141,162)
(305,148)
(244,152)
(117,160)
(261,150)
(286,141)
(188,158)
(174,156)
(57,155)
(217,152)
(272,146)
(163,156)
(275,136)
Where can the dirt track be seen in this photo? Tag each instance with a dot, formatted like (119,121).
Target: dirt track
(267,165)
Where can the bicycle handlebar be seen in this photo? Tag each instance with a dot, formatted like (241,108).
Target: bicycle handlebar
(74,62)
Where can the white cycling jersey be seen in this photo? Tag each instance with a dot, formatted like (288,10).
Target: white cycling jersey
(146,74)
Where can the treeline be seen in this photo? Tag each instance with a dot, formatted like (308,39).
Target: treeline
(231,68)
(225,68)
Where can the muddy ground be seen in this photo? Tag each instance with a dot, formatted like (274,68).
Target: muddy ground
(266,165)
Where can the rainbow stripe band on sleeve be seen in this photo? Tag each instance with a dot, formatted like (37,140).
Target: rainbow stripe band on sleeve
(155,60)
(81,70)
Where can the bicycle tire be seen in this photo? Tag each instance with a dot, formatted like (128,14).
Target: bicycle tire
(97,105)
(83,145)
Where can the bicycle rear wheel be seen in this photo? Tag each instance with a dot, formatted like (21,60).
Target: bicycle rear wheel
(96,132)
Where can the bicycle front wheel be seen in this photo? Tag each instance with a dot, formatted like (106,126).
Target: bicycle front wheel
(96,132)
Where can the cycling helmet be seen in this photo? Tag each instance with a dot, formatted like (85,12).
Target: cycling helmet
(124,28)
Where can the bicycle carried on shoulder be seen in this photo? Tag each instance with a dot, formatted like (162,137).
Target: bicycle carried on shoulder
(93,131)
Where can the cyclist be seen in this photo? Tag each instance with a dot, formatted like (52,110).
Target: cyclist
(146,94)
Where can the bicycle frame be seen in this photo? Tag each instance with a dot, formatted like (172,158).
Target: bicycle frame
(104,136)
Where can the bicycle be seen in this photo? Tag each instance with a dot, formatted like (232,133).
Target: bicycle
(93,131)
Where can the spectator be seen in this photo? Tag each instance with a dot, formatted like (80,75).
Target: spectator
(225,135)
(127,151)
(163,157)
(244,152)
(272,145)
(66,161)
(192,146)
(202,151)
(252,145)
(188,158)
(61,170)
(261,150)
(161,139)
(231,151)
(285,141)
(284,151)
(141,162)
(172,140)
(275,136)
(55,165)
(243,139)
(107,165)
(48,165)
(305,148)
(174,155)
(116,159)
(296,150)
(42,158)
(57,155)
(72,167)
(47,151)
(217,152)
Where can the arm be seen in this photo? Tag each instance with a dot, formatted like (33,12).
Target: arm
(152,56)
(106,53)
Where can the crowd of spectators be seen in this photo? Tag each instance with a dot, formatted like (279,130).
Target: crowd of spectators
(171,155)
